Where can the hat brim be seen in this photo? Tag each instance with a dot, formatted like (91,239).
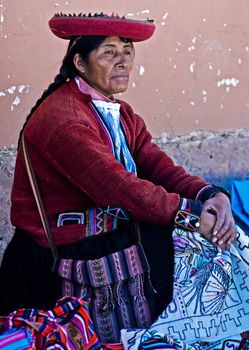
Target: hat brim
(68,27)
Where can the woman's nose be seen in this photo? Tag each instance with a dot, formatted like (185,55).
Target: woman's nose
(121,59)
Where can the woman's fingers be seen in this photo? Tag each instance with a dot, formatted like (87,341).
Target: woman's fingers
(223,233)
(224,237)
(221,226)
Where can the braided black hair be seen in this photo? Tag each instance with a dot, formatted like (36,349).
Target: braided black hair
(82,45)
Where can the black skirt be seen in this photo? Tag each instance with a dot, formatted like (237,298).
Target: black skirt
(27,280)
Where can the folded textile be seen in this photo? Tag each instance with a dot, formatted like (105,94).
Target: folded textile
(210,306)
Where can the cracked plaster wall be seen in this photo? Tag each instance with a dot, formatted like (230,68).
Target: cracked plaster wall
(191,75)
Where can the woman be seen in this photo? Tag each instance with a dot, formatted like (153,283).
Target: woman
(98,171)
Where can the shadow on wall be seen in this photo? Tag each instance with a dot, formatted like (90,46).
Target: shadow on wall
(218,157)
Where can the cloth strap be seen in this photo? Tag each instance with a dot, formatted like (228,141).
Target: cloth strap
(39,202)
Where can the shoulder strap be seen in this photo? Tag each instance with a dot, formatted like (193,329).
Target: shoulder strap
(38,199)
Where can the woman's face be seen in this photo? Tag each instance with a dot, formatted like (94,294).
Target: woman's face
(109,66)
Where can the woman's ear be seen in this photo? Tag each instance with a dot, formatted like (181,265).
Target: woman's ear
(79,64)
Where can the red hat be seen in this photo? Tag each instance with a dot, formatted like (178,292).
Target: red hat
(67,26)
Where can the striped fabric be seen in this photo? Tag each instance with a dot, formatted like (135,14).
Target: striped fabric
(67,327)
(101,220)
(118,285)
(17,339)
(113,346)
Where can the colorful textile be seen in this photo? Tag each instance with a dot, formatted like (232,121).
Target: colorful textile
(98,221)
(71,153)
(67,327)
(110,113)
(16,339)
(210,307)
(156,341)
(94,220)
(118,285)
(113,346)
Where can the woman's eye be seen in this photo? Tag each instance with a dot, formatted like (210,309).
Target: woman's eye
(110,52)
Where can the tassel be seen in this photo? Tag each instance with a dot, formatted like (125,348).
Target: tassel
(120,293)
(111,301)
(150,283)
(138,281)
(105,298)
(84,291)
(101,297)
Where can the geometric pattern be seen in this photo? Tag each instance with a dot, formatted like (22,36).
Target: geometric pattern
(210,306)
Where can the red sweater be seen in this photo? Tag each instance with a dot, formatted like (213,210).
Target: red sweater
(76,169)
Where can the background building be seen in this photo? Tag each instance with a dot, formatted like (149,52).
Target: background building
(192,75)
(190,81)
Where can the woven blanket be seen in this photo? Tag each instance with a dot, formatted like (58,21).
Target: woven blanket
(210,306)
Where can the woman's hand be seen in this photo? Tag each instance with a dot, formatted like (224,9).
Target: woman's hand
(207,223)
(223,232)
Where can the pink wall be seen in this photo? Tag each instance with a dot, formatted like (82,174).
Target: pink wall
(192,75)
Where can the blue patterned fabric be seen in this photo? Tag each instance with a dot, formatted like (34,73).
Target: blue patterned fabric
(110,112)
(210,306)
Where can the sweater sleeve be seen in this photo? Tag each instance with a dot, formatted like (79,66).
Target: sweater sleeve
(79,154)
(156,166)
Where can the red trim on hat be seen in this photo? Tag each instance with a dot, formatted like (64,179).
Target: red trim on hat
(66,27)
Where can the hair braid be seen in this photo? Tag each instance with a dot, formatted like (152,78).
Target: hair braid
(59,80)
(83,45)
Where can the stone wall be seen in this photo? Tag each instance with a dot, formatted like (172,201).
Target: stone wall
(7,165)
(217,157)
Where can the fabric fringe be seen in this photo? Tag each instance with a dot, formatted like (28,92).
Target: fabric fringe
(116,286)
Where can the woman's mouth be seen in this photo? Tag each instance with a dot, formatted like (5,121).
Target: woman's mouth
(121,76)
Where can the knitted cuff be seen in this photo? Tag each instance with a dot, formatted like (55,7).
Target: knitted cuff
(188,214)
(210,191)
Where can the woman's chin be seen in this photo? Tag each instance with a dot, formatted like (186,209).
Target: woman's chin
(120,89)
